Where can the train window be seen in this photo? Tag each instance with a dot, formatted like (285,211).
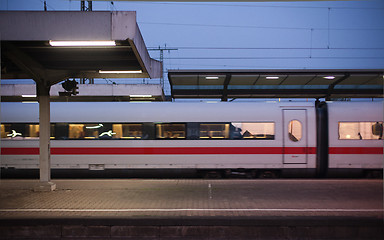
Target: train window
(295,130)
(260,131)
(23,131)
(127,131)
(76,131)
(6,131)
(61,131)
(360,130)
(214,131)
(32,130)
(170,131)
(90,131)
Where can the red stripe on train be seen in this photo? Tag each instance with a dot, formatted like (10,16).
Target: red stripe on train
(184,150)
(191,150)
(355,150)
(153,151)
(20,151)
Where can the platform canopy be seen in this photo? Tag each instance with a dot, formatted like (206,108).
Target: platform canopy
(273,83)
(29,47)
(50,47)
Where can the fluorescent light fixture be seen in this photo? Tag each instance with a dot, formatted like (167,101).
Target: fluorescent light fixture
(272,77)
(81,43)
(29,102)
(140,96)
(118,72)
(330,77)
(29,95)
(212,78)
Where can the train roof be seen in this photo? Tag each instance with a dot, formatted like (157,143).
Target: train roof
(144,112)
(157,111)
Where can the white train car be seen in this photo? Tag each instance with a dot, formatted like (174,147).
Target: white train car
(255,139)
(356,137)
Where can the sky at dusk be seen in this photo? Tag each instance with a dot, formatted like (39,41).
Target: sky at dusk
(251,35)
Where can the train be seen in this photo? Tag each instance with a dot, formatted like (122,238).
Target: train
(211,139)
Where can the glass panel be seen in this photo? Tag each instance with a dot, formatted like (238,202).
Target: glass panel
(360,130)
(127,131)
(76,131)
(170,130)
(262,131)
(32,130)
(61,131)
(377,130)
(295,130)
(23,131)
(105,131)
(15,131)
(91,131)
(6,131)
(214,130)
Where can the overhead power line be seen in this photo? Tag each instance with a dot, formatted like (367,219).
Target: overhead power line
(257,6)
(274,48)
(258,27)
(246,58)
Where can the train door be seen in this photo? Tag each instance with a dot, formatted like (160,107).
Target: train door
(295,140)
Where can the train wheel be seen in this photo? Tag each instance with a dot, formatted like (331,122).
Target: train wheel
(378,174)
(212,174)
(251,174)
(268,174)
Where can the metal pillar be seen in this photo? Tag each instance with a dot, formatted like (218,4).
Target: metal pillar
(45,183)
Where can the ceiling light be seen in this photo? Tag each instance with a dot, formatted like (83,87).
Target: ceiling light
(212,78)
(29,95)
(272,78)
(81,43)
(140,96)
(330,77)
(117,72)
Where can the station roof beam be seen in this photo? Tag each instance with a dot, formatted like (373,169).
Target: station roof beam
(28,41)
(272,83)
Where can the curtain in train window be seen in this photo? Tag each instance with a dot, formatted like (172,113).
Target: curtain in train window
(127,131)
(261,131)
(360,130)
(295,130)
(170,131)
(214,130)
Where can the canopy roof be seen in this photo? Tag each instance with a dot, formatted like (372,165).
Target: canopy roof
(26,51)
(272,83)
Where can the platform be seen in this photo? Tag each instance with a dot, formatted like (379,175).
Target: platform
(194,209)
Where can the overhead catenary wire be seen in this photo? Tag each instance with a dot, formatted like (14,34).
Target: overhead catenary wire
(260,27)
(275,48)
(245,58)
(256,5)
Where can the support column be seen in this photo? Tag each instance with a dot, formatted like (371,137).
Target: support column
(45,183)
